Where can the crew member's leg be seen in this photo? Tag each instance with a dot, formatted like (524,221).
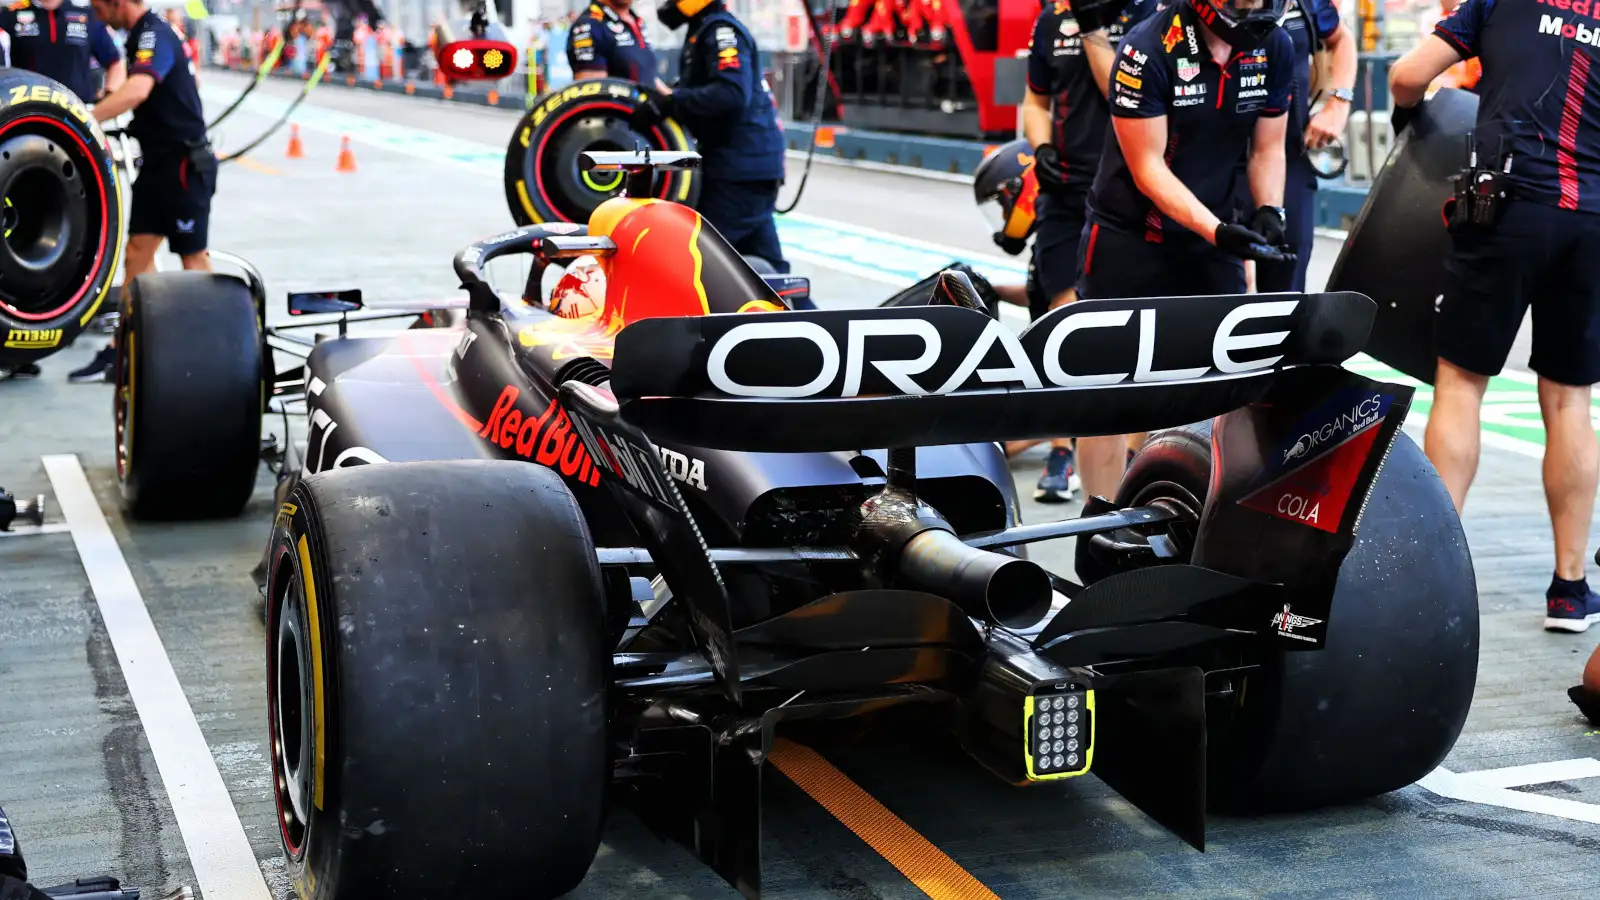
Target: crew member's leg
(190,227)
(1486,294)
(1055,267)
(148,214)
(1300,208)
(1566,355)
(744,213)
(1118,265)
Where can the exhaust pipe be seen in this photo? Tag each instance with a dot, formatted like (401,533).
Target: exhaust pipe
(996,588)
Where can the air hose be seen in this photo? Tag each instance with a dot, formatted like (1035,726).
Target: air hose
(823,75)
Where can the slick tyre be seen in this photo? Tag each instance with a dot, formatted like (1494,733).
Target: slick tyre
(60,217)
(437,680)
(189,396)
(542,178)
(1384,701)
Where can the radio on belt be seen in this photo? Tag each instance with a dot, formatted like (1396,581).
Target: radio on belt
(1480,193)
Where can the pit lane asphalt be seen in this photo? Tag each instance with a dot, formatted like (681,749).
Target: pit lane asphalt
(79,782)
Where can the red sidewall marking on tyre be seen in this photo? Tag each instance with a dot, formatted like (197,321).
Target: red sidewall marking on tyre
(105,231)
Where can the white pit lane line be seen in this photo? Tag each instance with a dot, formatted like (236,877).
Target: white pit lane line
(1492,787)
(224,865)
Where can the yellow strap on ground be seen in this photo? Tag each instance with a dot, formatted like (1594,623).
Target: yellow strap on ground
(927,867)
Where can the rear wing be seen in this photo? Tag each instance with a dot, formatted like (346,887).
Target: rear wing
(917,376)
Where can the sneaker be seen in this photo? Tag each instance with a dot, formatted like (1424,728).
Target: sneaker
(1059,481)
(98,369)
(26,370)
(1571,606)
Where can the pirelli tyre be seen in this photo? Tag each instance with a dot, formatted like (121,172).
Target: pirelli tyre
(543,181)
(437,682)
(1384,701)
(60,216)
(189,396)
(1396,250)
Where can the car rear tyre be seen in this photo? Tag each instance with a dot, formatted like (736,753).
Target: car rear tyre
(437,671)
(1384,701)
(189,396)
(62,226)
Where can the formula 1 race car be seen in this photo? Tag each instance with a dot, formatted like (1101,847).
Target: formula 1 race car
(531,566)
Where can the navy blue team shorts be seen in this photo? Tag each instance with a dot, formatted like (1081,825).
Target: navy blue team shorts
(1055,249)
(172,198)
(1539,256)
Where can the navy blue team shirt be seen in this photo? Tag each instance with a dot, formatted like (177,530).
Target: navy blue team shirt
(724,99)
(1058,69)
(1539,98)
(1165,69)
(601,42)
(58,43)
(169,119)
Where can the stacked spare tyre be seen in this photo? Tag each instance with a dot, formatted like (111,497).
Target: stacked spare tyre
(61,222)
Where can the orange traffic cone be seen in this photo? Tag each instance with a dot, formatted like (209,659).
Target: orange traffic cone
(296,149)
(347,159)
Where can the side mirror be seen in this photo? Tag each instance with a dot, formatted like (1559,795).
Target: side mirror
(313,302)
(477,60)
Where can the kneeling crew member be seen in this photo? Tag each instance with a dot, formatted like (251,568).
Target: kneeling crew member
(1202,85)
(172,195)
(1538,140)
(608,41)
(724,100)
(57,38)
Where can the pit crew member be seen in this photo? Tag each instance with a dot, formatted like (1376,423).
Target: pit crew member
(1201,86)
(57,39)
(1537,137)
(172,195)
(723,99)
(607,41)
(1064,116)
(1313,25)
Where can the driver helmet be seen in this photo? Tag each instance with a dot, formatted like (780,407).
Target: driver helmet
(1244,24)
(675,14)
(1005,189)
(581,292)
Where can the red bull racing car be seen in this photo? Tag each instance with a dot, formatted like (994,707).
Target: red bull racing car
(539,560)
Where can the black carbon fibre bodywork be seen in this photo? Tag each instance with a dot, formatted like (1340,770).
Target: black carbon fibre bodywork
(748,585)
(478,393)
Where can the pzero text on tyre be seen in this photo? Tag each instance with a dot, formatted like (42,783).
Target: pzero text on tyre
(189,396)
(437,664)
(61,223)
(1380,705)
(542,178)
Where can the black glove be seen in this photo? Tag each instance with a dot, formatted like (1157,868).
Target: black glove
(1246,244)
(1269,223)
(1401,116)
(655,109)
(1047,169)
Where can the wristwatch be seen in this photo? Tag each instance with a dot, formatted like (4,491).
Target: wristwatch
(1344,94)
